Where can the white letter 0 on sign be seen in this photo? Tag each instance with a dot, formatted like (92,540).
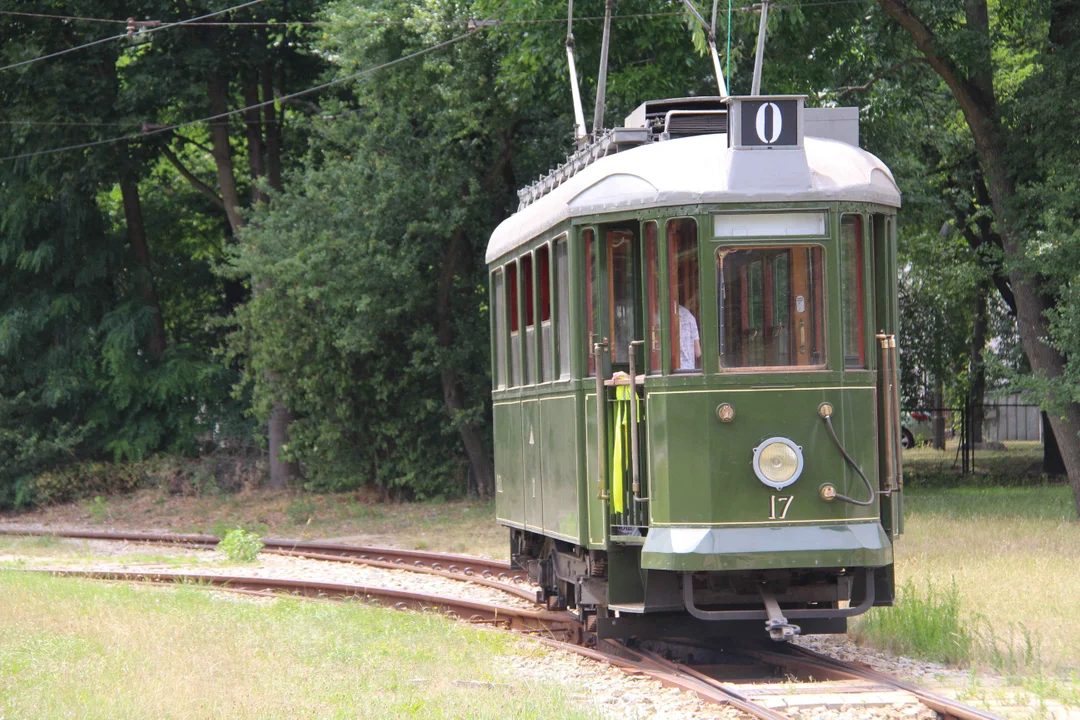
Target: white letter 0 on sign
(777,122)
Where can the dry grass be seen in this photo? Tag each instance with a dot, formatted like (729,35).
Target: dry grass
(1013,554)
(78,649)
(460,526)
(1020,458)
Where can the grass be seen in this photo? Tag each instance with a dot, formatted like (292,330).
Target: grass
(1020,460)
(461,526)
(996,564)
(926,623)
(988,579)
(78,649)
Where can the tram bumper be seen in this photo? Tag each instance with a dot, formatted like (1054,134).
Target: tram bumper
(694,549)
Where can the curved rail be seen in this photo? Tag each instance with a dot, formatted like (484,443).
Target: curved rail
(559,629)
(481,571)
(562,625)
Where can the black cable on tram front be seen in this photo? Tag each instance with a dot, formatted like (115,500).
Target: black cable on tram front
(869,486)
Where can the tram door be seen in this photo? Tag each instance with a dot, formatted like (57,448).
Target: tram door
(620,318)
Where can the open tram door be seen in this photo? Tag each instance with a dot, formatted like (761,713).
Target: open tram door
(616,326)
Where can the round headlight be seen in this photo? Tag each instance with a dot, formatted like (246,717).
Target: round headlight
(778,462)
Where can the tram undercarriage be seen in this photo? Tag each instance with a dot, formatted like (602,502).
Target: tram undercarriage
(628,601)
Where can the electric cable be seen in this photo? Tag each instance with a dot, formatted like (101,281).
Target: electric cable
(219,116)
(145,31)
(852,463)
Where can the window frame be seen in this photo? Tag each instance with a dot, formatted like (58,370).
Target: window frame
(498,323)
(562,312)
(778,244)
(861,286)
(544,291)
(513,306)
(670,271)
(653,286)
(591,281)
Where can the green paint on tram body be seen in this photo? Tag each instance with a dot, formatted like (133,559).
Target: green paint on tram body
(696,469)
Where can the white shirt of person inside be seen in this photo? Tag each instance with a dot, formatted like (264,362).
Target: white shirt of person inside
(689,340)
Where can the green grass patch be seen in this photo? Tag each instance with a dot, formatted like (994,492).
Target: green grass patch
(71,648)
(1046,502)
(1008,601)
(926,623)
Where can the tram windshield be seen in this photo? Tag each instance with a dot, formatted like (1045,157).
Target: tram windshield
(771,307)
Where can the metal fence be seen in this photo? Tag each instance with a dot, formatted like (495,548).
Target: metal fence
(1011,441)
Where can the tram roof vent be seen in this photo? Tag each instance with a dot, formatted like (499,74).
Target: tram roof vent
(680,117)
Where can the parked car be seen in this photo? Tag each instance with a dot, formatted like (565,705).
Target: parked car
(915,429)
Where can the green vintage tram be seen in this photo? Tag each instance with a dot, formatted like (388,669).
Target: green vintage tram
(694,367)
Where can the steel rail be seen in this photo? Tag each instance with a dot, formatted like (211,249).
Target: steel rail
(799,657)
(481,571)
(669,674)
(530,622)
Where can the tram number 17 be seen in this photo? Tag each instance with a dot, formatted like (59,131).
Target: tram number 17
(781,503)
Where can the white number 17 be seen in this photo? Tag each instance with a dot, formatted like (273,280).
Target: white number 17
(783,502)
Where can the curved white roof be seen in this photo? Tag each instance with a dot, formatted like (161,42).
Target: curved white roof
(703,169)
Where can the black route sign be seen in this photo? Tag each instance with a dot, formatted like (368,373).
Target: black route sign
(769,122)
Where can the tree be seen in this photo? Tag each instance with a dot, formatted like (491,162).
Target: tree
(958,43)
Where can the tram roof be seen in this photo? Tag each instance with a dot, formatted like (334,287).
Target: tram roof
(703,169)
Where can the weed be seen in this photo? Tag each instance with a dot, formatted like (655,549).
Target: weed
(927,625)
(240,545)
(301,510)
(222,528)
(98,508)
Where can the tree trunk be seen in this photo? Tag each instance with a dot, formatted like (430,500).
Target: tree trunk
(218,91)
(980,113)
(136,234)
(281,472)
(978,367)
(1053,464)
(253,126)
(453,395)
(273,129)
(937,417)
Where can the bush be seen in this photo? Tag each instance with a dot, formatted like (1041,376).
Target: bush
(239,545)
(79,481)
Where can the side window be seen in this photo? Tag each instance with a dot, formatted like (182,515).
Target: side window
(622,279)
(530,326)
(547,342)
(851,291)
(515,336)
(562,294)
(685,300)
(652,294)
(499,301)
(590,292)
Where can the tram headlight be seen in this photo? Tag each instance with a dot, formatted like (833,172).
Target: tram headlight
(778,462)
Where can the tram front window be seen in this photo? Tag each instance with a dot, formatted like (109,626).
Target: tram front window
(771,307)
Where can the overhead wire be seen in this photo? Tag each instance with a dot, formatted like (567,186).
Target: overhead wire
(194,22)
(61,17)
(220,116)
(142,32)
(153,129)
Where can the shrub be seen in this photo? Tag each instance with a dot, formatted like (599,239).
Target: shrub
(239,545)
(79,481)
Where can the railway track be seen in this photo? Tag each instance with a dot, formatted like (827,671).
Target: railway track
(481,571)
(689,666)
